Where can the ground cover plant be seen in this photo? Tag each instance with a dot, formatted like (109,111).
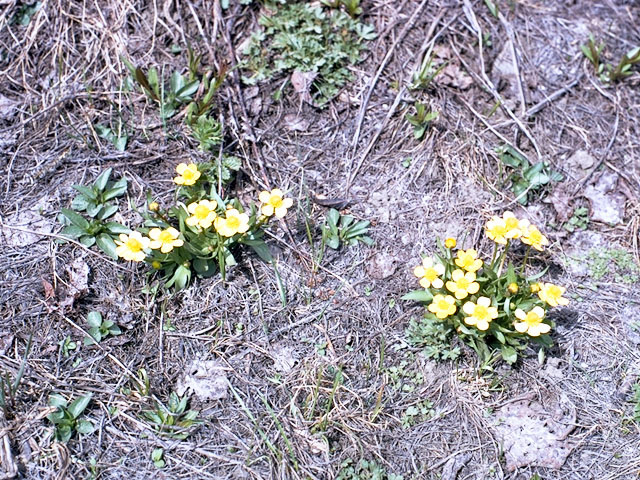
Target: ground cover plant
(211,212)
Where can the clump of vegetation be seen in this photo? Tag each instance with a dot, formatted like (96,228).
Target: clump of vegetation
(578,221)
(616,262)
(524,178)
(495,310)
(364,470)
(95,202)
(100,329)
(173,420)
(66,417)
(433,337)
(344,230)
(307,38)
(421,120)
(607,72)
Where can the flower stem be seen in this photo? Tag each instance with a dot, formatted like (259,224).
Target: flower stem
(524,262)
(503,257)
(493,256)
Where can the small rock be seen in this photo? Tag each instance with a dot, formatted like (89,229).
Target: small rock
(382,265)
(206,379)
(607,203)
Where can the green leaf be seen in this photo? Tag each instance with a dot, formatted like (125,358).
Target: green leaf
(75,219)
(107,245)
(116,228)
(57,400)
(499,335)
(80,203)
(121,143)
(78,405)
(189,89)
(423,296)
(87,240)
(86,191)
(84,427)
(72,231)
(333,217)
(103,178)
(509,354)
(117,189)
(106,211)
(63,433)
(94,319)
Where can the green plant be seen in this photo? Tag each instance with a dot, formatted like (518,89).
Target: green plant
(173,420)
(157,457)
(578,221)
(616,262)
(352,7)
(305,38)
(95,202)
(25,12)
(9,386)
(66,418)
(66,345)
(414,414)
(606,71)
(100,329)
(523,177)
(421,120)
(431,335)
(636,403)
(423,77)
(168,95)
(497,311)
(403,377)
(344,230)
(208,132)
(118,136)
(364,470)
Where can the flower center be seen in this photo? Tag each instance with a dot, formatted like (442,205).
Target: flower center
(188,174)
(134,245)
(202,212)
(463,283)
(233,223)
(511,223)
(443,305)
(165,237)
(275,201)
(532,319)
(430,274)
(481,312)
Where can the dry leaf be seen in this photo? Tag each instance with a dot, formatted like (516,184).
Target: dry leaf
(302,82)
(296,123)
(77,284)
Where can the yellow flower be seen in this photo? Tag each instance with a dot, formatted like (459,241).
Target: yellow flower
(188,174)
(552,294)
(442,306)
(480,313)
(531,322)
(156,264)
(235,222)
(513,288)
(463,284)
(165,240)
(502,229)
(274,203)
(532,236)
(450,243)
(154,207)
(203,213)
(130,247)
(535,287)
(468,260)
(429,273)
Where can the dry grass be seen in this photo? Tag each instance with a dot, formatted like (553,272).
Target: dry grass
(341,330)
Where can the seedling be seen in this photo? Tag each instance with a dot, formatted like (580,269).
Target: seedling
(421,120)
(100,329)
(118,137)
(66,418)
(208,132)
(94,201)
(344,229)
(578,221)
(67,345)
(525,178)
(157,457)
(415,414)
(364,470)
(9,386)
(173,420)
(423,77)
(606,71)
(431,335)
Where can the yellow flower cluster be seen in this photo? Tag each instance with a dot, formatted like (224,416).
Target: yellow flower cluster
(508,227)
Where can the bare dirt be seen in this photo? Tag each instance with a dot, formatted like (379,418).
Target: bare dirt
(302,374)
